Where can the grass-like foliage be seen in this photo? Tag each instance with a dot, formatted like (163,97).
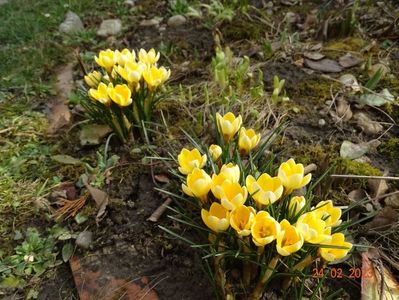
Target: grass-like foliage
(124,92)
(255,213)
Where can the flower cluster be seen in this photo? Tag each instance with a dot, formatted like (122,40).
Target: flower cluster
(231,197)
(125,88)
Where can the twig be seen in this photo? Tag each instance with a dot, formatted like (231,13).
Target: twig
(159,211)
(363,177)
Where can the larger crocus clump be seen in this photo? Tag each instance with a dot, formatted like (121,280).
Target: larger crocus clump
(252,209)
(123,93)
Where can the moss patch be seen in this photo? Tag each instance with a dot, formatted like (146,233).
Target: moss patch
(357,168)
(390,148)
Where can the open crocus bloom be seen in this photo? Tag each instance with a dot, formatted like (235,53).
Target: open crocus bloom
(100,94)
(155,76)
(149,58)
(189,160)
(330,214)
(241,219)
(120,94)
(247,140)
(217,218)
(106,59)
(125,56)
(228,125)
(332,254)
(313,228)
(292,175)
(232,194)
(231,172)
(198,184)
(264,229)
(289,239)
(266,190)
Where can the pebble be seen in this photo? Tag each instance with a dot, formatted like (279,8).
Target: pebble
(110,27)
(151,22)
(71,24)
(129,3)
(322,122)
(84,239)
(177,21)
(3,2)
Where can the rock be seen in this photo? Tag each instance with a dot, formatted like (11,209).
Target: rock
(3,2)
(151,22)
(93,134)
(366,124)
(177,21)
(348,60)
(392,200)
(314,55)
(344,110)
(71,24)
(322,122)
(324,65)
(129,3)
(350,150)
(110,27)
(84,239)
(350,81)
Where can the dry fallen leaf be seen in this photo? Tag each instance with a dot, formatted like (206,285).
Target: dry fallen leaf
(366,124)
(383,220)
(349,60)
(100,197)
(162,178)
(344,110)
(357,195)
(378,186)
(324,65)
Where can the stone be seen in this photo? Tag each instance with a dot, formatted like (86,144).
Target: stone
(322,122)
(3,2)
(177,21)
(129,3)
(71,24)
(110,27)
(151,22)
(324,65)
(93,134)
(84,239)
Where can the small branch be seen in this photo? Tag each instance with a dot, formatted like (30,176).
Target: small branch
(159,211)
(364,177)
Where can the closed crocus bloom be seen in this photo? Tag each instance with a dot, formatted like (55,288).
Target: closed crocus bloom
(264,229)
(266,190)
(150,58)
(215,151)
(100,94)
(313,228)
(292,175)
(231,171)
(120,94)
(216,184)
(106,59)
(217,218)
(332,254)
(198,184)
(241,219)
(93,79)
(330,214)
(125,56)
(189,160)
(228,125)
(247,140)
(155,76)
(289,240)
(296,204)
(232,194)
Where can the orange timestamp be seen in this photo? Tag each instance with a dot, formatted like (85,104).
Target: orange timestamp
(337,273)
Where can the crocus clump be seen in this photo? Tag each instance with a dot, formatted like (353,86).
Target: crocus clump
(250,205)
(124,92)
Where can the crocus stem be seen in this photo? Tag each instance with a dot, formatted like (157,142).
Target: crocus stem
(218,262)
(257,293)
(298,267)
(247,267)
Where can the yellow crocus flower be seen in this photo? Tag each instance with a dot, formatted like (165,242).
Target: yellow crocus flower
(289,240)
(217,218)
(313,228)
(125,56)
(189,160)
(120,94)
(215,151)
(241,219)
(292,175)
(106,59)
(266,190)
(232,194)
(296,204)
(332,254)
(264,229)
(149,58)
(247,140)
(100,94)
(93,79)
(228,125)
(330,214)
(198,184)
(131,72)
(154,76)
(231,171)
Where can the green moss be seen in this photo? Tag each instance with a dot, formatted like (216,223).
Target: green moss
(348,166)
(314,91)
(390,148)
(336,49)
